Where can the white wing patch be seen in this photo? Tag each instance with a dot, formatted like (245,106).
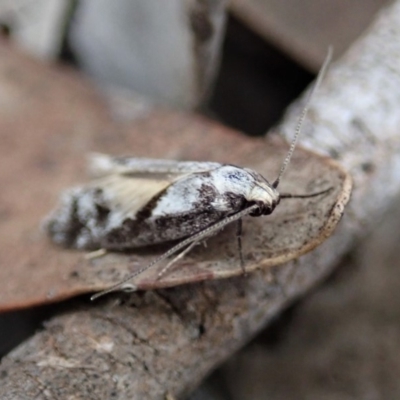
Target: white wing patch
(130,183)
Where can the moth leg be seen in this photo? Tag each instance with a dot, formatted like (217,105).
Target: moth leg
(197,237)
(95,254)
(239,242)
(176,258)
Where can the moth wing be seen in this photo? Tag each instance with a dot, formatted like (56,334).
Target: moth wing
(100,165)
(128,195)
(128,183)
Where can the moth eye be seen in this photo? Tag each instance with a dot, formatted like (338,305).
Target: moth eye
(263,208)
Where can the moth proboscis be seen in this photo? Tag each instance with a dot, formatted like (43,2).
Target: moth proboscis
(136,202)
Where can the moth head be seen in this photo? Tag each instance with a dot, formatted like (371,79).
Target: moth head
(264,195)
(242,188)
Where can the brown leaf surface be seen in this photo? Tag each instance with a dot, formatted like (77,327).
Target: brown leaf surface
(50,119)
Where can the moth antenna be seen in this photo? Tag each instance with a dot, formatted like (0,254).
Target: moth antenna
(194,238)
(304,196)
(303,114)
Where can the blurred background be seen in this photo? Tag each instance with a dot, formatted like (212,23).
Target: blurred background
(241,63)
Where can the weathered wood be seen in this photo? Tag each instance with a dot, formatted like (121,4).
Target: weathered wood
(168,53)
(37,26)
(305,29)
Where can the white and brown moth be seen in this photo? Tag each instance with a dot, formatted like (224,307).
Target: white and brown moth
(135,202)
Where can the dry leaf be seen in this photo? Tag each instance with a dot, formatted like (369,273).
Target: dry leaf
(48,125)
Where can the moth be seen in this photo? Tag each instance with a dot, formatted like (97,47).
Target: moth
(136,202)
